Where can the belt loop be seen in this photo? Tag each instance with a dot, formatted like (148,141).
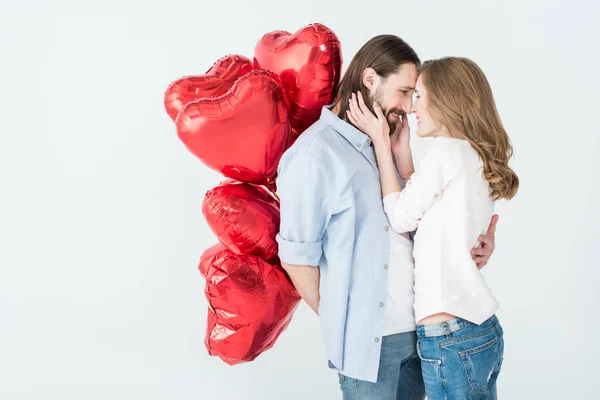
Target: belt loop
(447,329)
(455,324)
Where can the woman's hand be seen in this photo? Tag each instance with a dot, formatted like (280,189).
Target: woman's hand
(375,126)
(400,139)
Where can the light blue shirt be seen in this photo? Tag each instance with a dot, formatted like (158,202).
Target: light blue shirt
(332,217)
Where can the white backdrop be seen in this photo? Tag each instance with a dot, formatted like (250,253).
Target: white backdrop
(101,226)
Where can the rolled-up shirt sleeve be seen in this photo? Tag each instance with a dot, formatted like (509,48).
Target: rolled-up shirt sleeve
(305,210)
(406,208)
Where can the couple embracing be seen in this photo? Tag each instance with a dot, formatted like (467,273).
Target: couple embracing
(389,257)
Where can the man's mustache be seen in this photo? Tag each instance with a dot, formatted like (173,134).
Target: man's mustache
(401,113)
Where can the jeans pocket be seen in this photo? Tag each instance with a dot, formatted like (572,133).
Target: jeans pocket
(426,360)
(480,363)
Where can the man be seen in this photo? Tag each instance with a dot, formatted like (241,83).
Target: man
(335,240)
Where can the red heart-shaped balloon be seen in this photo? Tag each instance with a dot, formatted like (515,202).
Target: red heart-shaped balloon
(244,217)
(216,81)
(309,65)
(250,303)
(208,257)
(241,133)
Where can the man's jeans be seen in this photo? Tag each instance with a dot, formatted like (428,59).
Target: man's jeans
(399,375)
(461,360)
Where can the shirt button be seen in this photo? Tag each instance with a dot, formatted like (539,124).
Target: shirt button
(357,144)
(376,340)
(387,228)
(384,266)
(369,141)
(380,304)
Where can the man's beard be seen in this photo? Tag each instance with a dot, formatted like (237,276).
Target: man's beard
(377,97)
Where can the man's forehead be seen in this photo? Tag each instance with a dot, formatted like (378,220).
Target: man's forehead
(404,83)
(404,80)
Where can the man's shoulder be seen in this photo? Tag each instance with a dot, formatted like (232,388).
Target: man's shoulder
(315,136)
(313,144)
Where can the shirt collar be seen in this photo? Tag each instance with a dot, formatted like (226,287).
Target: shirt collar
(357,139)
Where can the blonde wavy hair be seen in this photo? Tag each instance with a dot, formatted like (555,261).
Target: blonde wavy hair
(461,101)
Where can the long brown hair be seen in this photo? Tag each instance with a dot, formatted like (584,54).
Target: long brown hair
(461,100)
(383,53)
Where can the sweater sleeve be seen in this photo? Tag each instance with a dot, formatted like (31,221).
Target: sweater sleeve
(406,208)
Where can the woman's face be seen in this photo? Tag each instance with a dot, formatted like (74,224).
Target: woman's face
(427,126)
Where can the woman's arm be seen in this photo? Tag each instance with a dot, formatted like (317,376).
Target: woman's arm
(404,162)
(395,203)
(400,141)
(404,208)
(387,170)
(377,128)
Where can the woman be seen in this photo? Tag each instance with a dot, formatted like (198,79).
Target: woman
(451,201)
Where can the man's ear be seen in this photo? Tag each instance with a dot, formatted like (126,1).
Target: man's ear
(370,78)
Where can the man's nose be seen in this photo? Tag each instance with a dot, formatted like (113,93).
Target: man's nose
(407,106)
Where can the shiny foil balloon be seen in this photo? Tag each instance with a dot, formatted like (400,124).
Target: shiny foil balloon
(250,303)
(244,217)
(208,257)
(242,133)
(216,81)
(309,64)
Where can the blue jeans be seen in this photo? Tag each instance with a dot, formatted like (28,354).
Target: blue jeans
(461,360)
(399,375)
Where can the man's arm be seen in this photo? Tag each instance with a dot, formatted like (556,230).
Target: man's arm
(306,280)
(305,207)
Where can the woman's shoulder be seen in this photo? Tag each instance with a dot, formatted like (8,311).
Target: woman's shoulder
(448,149)
(444,141)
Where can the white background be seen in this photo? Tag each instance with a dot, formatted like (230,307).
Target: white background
(100,206)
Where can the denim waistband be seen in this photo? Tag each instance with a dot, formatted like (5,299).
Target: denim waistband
(446,328)
(441,329)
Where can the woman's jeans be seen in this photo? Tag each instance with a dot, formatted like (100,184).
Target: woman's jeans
(461,360)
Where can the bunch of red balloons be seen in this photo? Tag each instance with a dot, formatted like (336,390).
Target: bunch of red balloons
(238,119)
